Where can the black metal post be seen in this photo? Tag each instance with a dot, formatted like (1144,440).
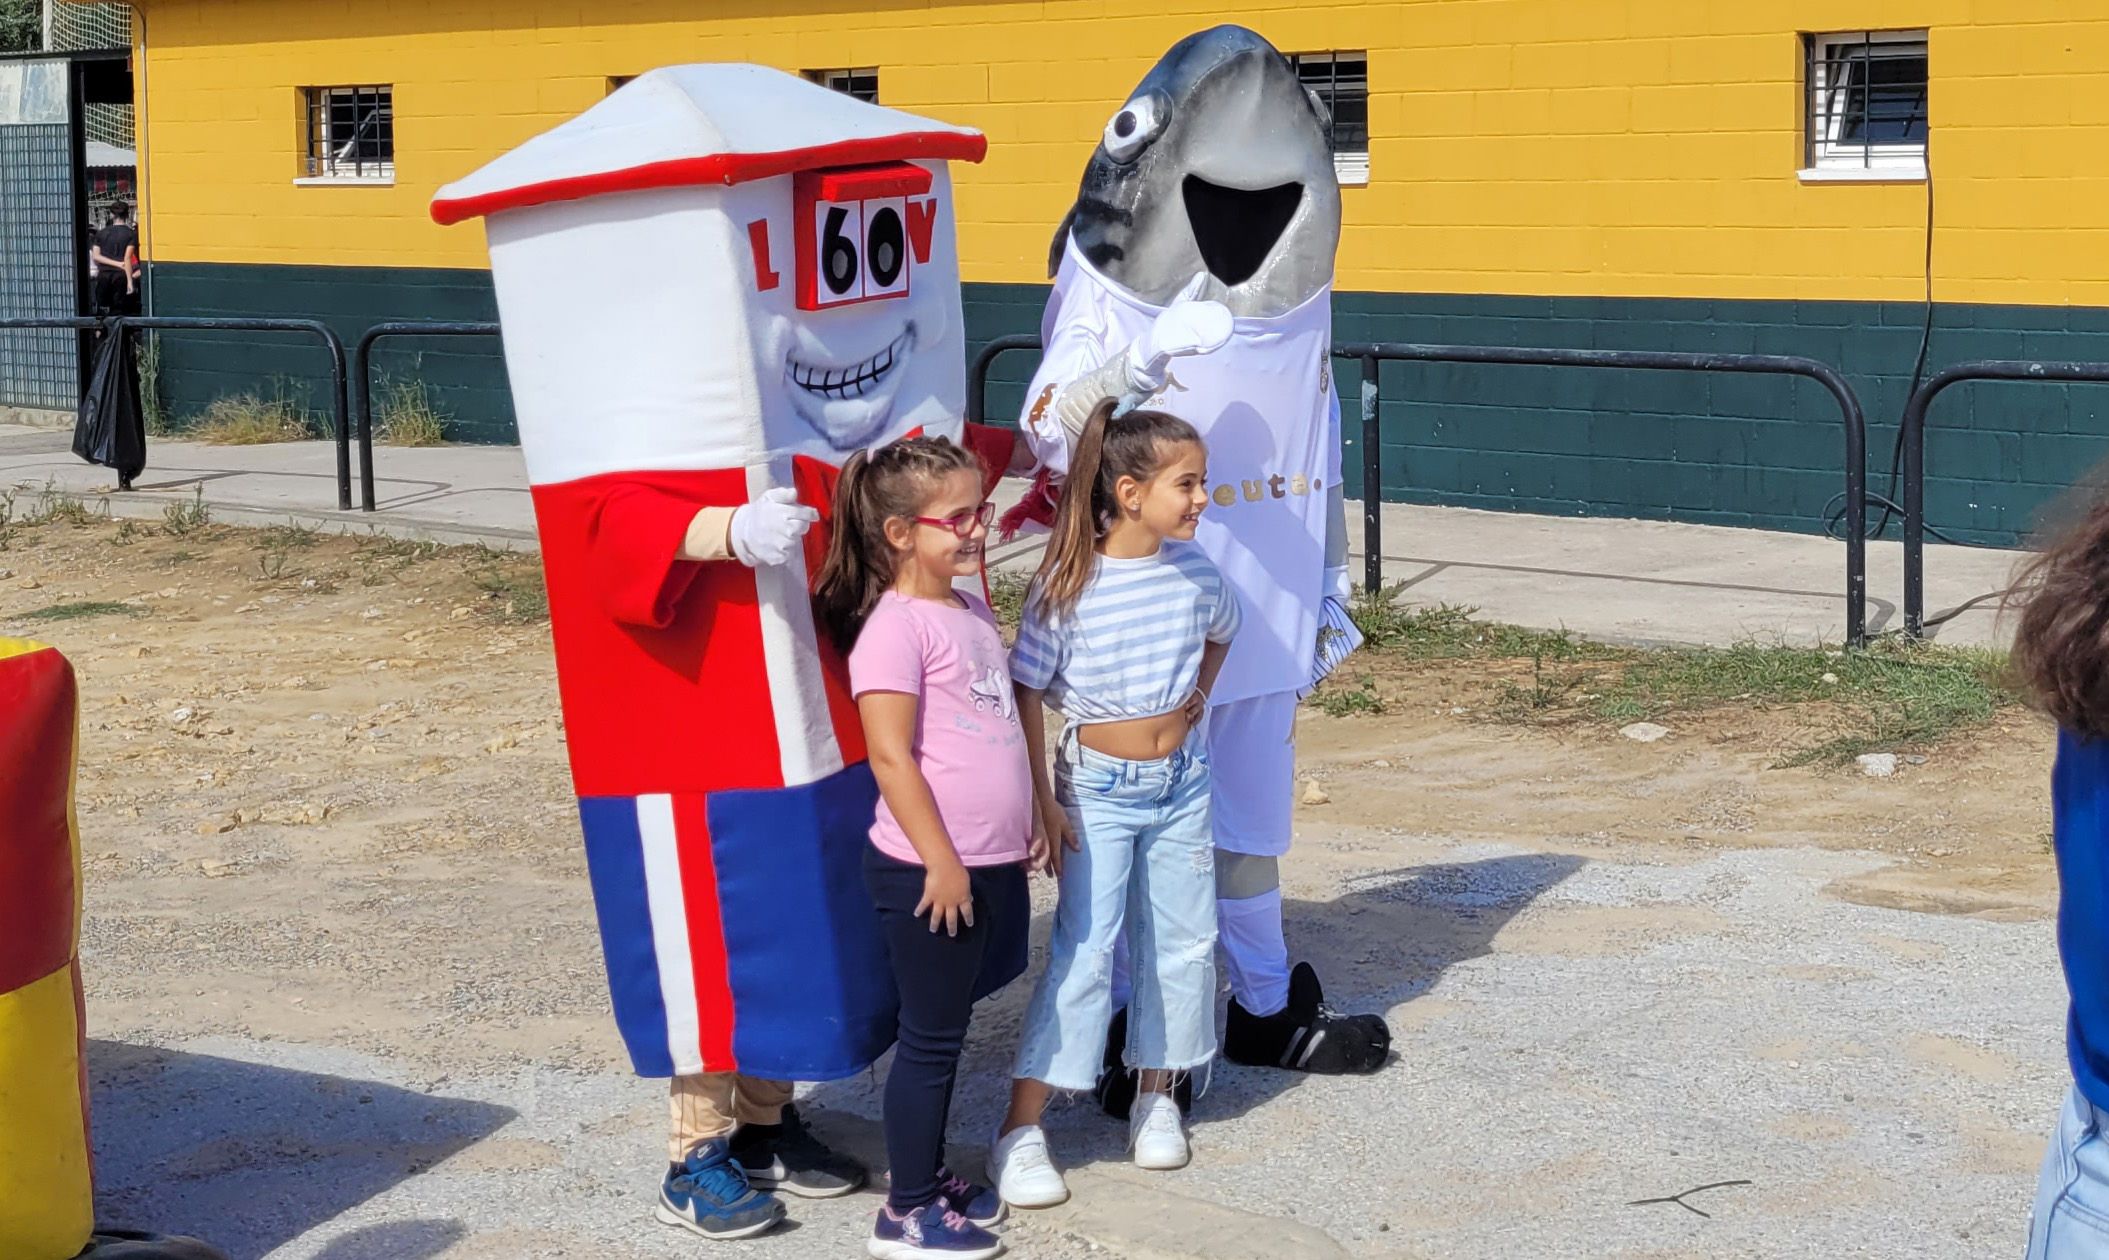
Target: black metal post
(339,391)
(1372,479)
(1850,415)
(978,371)
(1914,439)
(362,378)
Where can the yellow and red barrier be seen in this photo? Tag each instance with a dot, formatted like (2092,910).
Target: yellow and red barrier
(46,1191)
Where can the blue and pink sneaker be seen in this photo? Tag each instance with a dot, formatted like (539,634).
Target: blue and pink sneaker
(979,1204)
(933,1231)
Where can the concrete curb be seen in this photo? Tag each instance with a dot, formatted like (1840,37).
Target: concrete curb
(150,506)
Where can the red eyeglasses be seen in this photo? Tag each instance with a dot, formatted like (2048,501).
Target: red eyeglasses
(962,524)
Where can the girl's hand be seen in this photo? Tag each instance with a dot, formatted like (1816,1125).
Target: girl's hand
(948,896)
(1037,860)
(1059,837)
(1195,708)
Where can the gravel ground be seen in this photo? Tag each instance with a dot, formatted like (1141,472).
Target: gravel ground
(346,999)
(1576,1031)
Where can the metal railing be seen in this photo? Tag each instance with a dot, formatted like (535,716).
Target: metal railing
(1914,440)
(362,374)
(331,342)
(1370,354)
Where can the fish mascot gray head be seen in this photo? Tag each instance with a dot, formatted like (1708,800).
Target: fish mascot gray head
(1216,164)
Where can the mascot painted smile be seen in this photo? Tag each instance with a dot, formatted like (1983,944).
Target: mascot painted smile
(1194,275)
(715,285)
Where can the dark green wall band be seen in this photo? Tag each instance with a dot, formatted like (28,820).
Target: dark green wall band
(1717,449)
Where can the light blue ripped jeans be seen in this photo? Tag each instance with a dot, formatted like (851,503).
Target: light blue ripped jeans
(2071,1219)
(1146,863)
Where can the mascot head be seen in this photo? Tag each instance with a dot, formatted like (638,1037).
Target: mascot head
(1217,162)
(720,266)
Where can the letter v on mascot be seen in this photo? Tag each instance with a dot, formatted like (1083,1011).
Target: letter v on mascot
(1194,275)
(715,286)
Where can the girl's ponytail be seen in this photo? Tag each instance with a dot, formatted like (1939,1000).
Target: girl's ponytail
(1072,550)
(849,583)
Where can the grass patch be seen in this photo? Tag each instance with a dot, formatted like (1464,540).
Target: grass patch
(1007,598)
(252,420)
(74,612)
(1345,701)
(179,518)
(287,537)
(406,416)
(1887,698)
(513,591)
(153,404)
(1447,632)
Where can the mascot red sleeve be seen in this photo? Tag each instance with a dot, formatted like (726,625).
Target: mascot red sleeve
(715,286)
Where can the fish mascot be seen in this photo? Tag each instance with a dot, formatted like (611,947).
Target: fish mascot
(715,285)
(1195,275)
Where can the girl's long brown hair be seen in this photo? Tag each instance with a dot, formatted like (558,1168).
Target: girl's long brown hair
(876,486)
(2061,645)
(1136,445)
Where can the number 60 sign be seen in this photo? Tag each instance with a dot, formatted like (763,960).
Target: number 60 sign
(860,229)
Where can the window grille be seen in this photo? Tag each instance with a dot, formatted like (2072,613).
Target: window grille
(862,82)
(1867,95)
(1341,82)
(350,132)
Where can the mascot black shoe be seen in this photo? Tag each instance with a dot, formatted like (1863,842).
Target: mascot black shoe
(1115,1090)
(1306,1035)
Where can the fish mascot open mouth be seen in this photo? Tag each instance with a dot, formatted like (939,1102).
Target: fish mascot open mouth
(1236,229)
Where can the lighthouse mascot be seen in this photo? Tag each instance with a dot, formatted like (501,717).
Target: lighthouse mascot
(715,286)
(1195,275)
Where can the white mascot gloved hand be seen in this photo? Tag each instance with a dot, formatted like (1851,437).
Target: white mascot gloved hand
(1190,325)
(768,531)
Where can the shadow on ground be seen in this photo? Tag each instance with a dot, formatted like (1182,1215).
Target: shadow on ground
(1387,940)
(1383,942)
(249,1157)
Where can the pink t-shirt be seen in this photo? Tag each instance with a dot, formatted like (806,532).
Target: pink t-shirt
(968,742)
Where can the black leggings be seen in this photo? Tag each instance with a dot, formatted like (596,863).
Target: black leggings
(937,975)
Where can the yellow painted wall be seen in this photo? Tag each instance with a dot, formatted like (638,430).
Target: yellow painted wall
(1591,147)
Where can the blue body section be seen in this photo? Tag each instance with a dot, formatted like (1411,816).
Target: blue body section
(615,864)
(2080,836)
(813,993)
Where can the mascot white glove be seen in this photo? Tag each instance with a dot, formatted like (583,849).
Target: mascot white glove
(769,530)
(1190,325)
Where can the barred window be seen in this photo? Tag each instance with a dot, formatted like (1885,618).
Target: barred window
(350,132)
(1340,80)
(862,82)
(1867,101)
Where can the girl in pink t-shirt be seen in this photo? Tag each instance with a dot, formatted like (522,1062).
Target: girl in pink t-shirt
(950,844)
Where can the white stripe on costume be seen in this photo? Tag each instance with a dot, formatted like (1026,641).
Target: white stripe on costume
(805,732)
(677,971)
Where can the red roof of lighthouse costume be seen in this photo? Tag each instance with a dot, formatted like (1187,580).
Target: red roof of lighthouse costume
(721,280)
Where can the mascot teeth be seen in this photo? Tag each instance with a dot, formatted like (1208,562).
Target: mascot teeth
(856,380)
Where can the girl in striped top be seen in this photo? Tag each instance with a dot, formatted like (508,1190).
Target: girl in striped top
(1124,631)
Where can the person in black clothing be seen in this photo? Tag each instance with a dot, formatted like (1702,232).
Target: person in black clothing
(116,259)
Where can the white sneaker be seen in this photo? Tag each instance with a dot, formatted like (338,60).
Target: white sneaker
(1023,1172)
(1157,1134)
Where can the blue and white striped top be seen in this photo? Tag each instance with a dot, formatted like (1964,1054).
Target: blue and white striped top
(1131,648)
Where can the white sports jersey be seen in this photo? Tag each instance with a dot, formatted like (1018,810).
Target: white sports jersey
(1265,405)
